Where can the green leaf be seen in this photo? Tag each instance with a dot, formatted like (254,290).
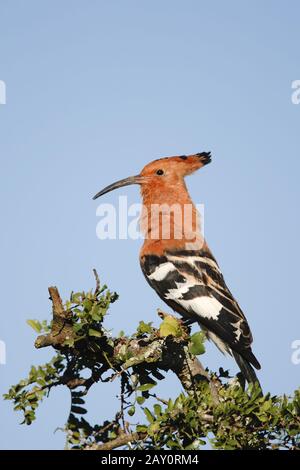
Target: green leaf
(87,304)
(35,324)
(96,333)
(157,410)
(69,342)
(263,418)
(141,428)
(96,313)
(145,387)
(144,328)
(140,400)
(170,327)
(76,297)
(170,405)
(171,443)
(77,327)
(149,415)
(266,405)
(196,346)
(131,411)
(153,429)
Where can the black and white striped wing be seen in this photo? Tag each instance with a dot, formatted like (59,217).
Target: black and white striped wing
(192,284)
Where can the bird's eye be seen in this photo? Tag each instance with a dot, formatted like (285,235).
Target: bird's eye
(160,172)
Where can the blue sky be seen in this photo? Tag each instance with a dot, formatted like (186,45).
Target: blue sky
(97,89)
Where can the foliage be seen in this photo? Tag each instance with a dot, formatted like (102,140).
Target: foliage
(239,421)
(236,419)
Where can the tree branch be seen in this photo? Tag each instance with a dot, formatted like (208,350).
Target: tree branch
(61,329)
(136,436)
(166,353)
(118,441)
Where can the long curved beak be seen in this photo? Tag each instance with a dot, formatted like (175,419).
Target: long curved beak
(119,184)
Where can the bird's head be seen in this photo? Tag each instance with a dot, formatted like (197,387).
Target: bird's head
(163,172)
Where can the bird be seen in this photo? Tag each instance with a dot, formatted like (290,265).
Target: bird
(180,266)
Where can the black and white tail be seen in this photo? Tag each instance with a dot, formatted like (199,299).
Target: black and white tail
(246,369)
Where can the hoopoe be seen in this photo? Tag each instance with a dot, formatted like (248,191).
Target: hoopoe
(180,267)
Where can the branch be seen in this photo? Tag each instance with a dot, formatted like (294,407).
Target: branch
(118,442)
(97,289)
(136,436)
(166,353)
(61,329)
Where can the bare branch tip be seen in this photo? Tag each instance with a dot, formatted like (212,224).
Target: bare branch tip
(97,289)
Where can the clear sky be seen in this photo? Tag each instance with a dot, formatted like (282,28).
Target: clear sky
(97,89)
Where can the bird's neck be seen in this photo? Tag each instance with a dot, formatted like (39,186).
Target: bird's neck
(169,220)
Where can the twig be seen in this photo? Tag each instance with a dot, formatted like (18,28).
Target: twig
(153,395)
(61,329)
(97,289)
(118,442)
(122,401)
